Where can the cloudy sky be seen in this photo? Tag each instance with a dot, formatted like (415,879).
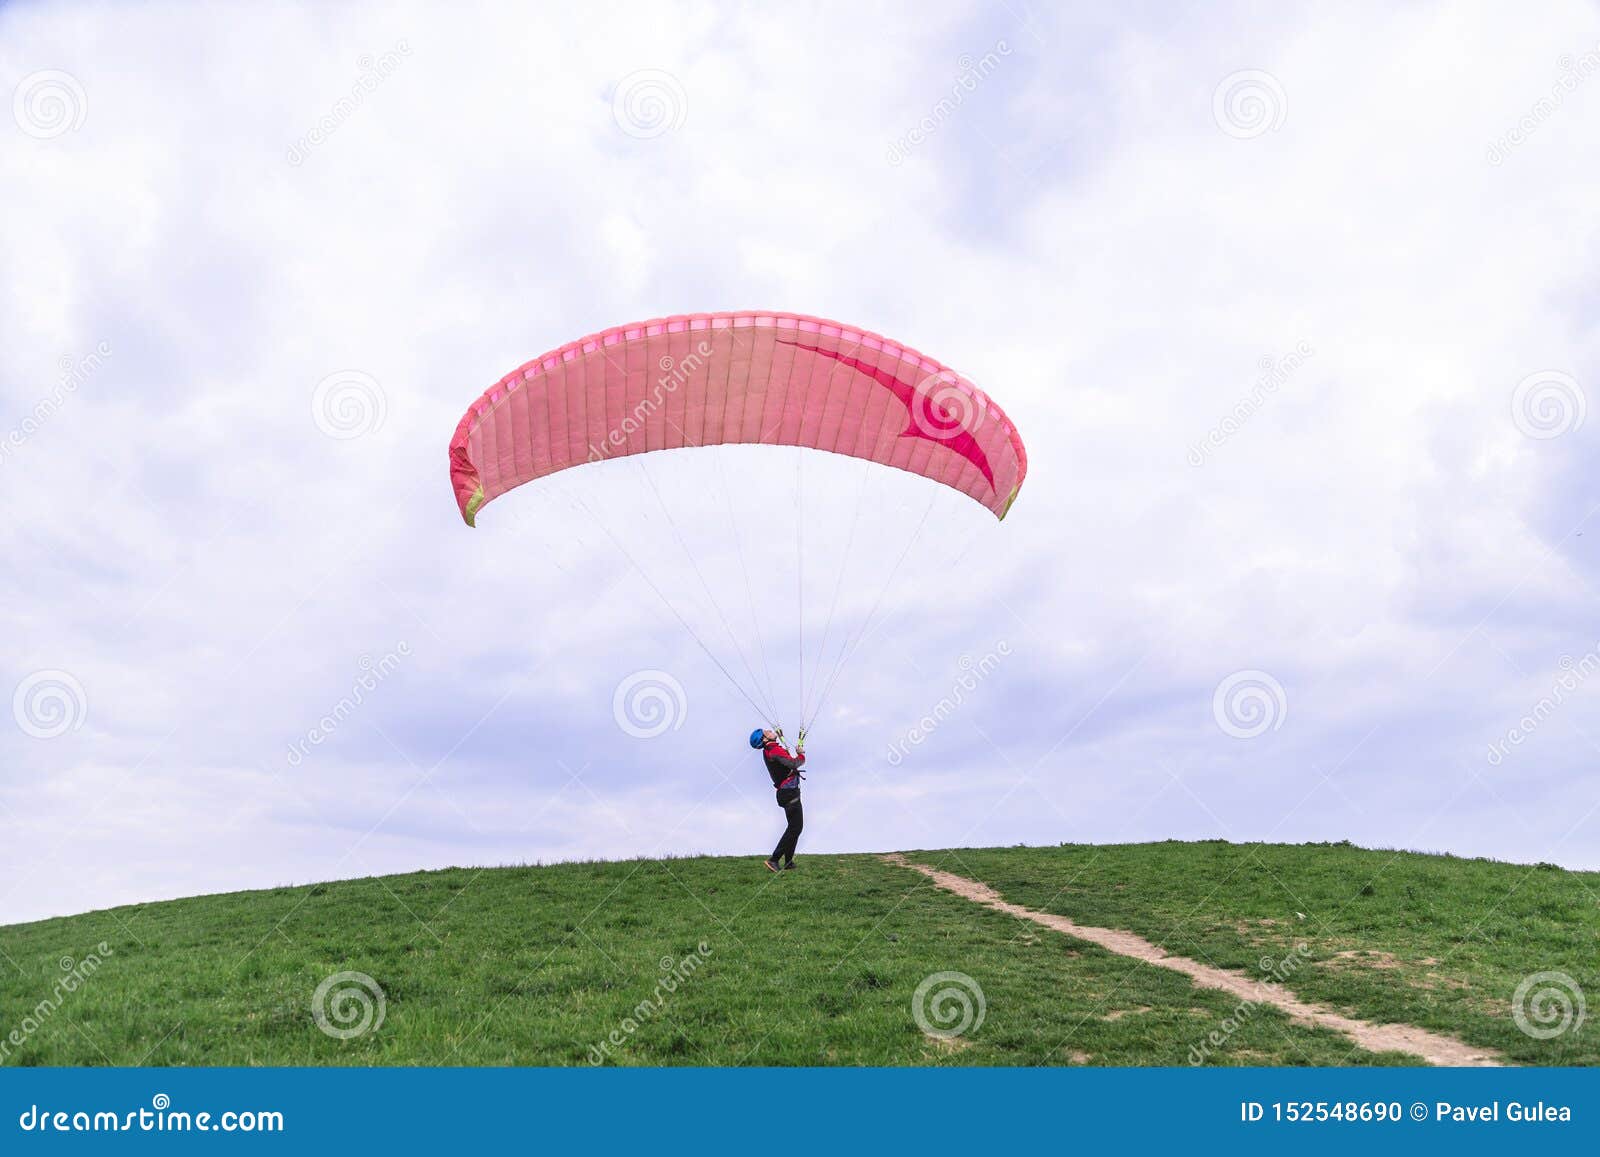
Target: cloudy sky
(1294,306)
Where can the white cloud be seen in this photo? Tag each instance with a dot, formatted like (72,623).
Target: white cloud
(1079,235)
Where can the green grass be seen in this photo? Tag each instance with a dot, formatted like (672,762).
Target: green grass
(1434,941)
(546,965)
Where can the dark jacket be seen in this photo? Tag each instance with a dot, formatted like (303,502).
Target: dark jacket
(781,766)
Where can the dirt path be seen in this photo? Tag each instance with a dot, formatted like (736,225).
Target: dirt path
(1435,1048)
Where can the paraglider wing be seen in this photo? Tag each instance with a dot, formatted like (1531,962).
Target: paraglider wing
(718,378)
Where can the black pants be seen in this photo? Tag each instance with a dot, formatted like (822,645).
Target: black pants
(789,801)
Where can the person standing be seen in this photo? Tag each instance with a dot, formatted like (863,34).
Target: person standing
(784,769)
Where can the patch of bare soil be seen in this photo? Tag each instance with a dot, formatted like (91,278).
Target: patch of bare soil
(1119,1013)
(1388,962)
(1432,1047)
(1369,958)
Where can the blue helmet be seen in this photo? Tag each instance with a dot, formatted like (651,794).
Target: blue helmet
(755,736)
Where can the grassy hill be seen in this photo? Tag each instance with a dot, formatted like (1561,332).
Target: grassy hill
(714,961)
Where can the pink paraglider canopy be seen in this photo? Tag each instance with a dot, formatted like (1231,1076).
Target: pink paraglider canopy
(708,379)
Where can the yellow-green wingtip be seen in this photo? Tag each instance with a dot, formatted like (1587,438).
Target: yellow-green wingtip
(1015,490)
(473,505)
